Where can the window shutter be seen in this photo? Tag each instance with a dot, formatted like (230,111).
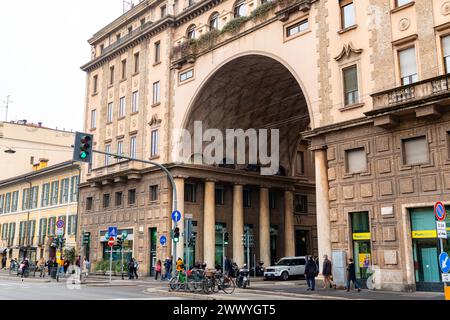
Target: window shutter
(416,150)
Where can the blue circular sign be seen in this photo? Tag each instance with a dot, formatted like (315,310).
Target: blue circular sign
(60,224)
(444,262)
(176,216)
(439,211)
(163,240)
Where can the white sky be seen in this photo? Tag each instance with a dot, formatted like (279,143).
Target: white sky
(43,44)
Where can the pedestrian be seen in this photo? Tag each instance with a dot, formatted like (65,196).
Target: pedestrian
(168,267)
(310,273)
(158,270)
(66,265)
(86,267)
(351,275)
(49,265)
(24,267)
(4,261)
(228,266)
(41,266)
(180,265)
(327,272)
(136,268)
(131,269)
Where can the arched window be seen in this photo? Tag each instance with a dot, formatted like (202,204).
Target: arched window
(191,32)
(214,21)
(240,9)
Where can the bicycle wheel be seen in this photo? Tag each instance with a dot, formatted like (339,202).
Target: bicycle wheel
(228,285)
(173,284)
(207,286)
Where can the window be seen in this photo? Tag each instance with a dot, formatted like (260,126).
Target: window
(25,199)
(247,198)
(118,37)
(122,106)
(408,68)
(42,230)
(15,200)
(350,75)
(89,202)
(154,193)
(135,102)
(300,166)
(142,22)
(2,201)
(190,33)
(74,181)
(136,62)
(5,231)
(106,197)
(124,69)
(54,193)
(272,199)
(297,28)
(190,192)
(446,52)
(45,196)
(356,160)
(131,196)
(95,84)
(111,75)
(107,158)
(118,200)
(93,119)
(163,11)
(109,113)
(133,147)
(239,9)
(130,29)
(219,196)
(348,17)
(11,234)
(214,21)
(72,225)
(415,151)
(400,3)
(301,203)
(119,149)
(186,75)
(102,47)
(7,203)
(154,143)
(156,93)
(157,52)
(51,226)
(64,196)
(190,2)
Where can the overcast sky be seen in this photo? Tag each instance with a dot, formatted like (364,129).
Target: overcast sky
(43,44)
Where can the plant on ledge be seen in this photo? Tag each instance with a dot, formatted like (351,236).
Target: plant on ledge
(208,39)
(261,11)
(234,25)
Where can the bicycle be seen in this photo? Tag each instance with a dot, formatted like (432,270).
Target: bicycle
(177,282)
(224,283)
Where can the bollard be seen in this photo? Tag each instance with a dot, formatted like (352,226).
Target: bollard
(447,292)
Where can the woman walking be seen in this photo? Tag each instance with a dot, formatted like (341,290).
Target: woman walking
(158,270)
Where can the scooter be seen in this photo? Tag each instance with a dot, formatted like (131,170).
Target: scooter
(243,280)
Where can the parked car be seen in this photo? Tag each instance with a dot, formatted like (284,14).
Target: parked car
(285,268)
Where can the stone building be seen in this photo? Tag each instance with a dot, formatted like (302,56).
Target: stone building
(357,89)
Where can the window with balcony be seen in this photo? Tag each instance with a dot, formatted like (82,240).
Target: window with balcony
(132,196)
(348,16)
(190,192)
(133,148)
(240,9)
(93,119)
(122,107)
(356,160)
(156,93)
(446,52)
(89,203)
(297,28)
(106,198)
(118,199)
(351,92)
(408,66)
(415,151)
(300,203)
(154,193)
(154,143)
(135,102)
(109,112)
(214,21)
(190,33)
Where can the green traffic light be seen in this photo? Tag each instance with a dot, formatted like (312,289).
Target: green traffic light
(83,155)
(176,239)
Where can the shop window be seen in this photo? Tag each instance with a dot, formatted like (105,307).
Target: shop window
(408,66)
(118,200)
(106,198)
(351,92)
(348,16)
(297,28)
(356,160)
(132,196)
(190,192)
(300,203)
(154,193)
(220,196)
(89,202)
(446,52)
(415,151)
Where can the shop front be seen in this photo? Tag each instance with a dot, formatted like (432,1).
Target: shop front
(117,251)
(362,253)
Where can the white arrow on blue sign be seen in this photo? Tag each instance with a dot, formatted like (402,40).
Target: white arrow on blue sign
(176,216)
(112,231)
(163,240)
(444,262)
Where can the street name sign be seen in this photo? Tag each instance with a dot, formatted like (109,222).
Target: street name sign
(444,262)
(176,216)
(441,228)
(445,277)
(439,211)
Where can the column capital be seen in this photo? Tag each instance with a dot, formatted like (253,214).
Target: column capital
(264,186)
(211,180)
(238,184)
(321,147)
(180,177)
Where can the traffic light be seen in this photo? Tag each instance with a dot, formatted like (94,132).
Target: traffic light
(83,147)
(192,239)
(176,234)
(86,237)
(226,238)
(251,240)
(119,240)
(244,240)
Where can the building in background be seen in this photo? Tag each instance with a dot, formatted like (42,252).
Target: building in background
(30,205)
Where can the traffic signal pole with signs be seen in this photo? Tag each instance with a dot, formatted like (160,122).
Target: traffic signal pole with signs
(83,152)
(444,261)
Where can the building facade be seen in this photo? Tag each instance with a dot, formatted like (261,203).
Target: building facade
(30,206)
(357,89)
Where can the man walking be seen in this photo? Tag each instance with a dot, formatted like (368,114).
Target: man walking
(4,262)
(351,275)
(168,267)
(310,273)
(327,272)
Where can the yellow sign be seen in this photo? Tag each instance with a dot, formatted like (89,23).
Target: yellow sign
(364,260)
(424,234)
(361,236)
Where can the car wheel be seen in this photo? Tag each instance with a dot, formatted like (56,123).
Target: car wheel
(285,276)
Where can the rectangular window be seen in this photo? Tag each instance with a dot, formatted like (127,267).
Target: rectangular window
(356,160)
(72,225)
(163,11)
(190,192)
(135,102)
(136,62)
(118,200)
(400,3)
(54,193)
(74,181)
(89,202)
(95,84)
(351,92)
(15,200)
(186,75)
(272,199)
(106,198)
(7,203)
(11,234)
(45,196)
(64,196)
(119,149)
(300,203)
(93,119)
(415,151)
(5,231)
(154,193)
(348,17)
(124,69)
(51,226)
(107,158)
(408,67)
(25,199)
(220,196)
(2,202)
(133,147)
(42,230)
(154,143)
(247,198)
(34,197)
(300,162)
(156,93)
(122,107)
(111,75)
(446,52)
(157,52)
(109,112)
(131,196)
(297,28)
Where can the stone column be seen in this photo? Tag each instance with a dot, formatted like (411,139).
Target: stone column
(289,230)
(209,225)
(322,204)
(264,226)
(238,224)
(179,182)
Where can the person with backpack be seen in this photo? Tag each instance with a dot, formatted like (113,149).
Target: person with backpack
(311,273)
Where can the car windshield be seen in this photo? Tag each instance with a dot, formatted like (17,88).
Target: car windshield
(283,262)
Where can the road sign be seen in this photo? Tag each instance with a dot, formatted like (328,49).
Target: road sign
(176,216)
(112,231)
(439,211)
(445,277)
(163,240)
(444,262)
(441,228)
(60,232)
(60,224)
(111,242)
